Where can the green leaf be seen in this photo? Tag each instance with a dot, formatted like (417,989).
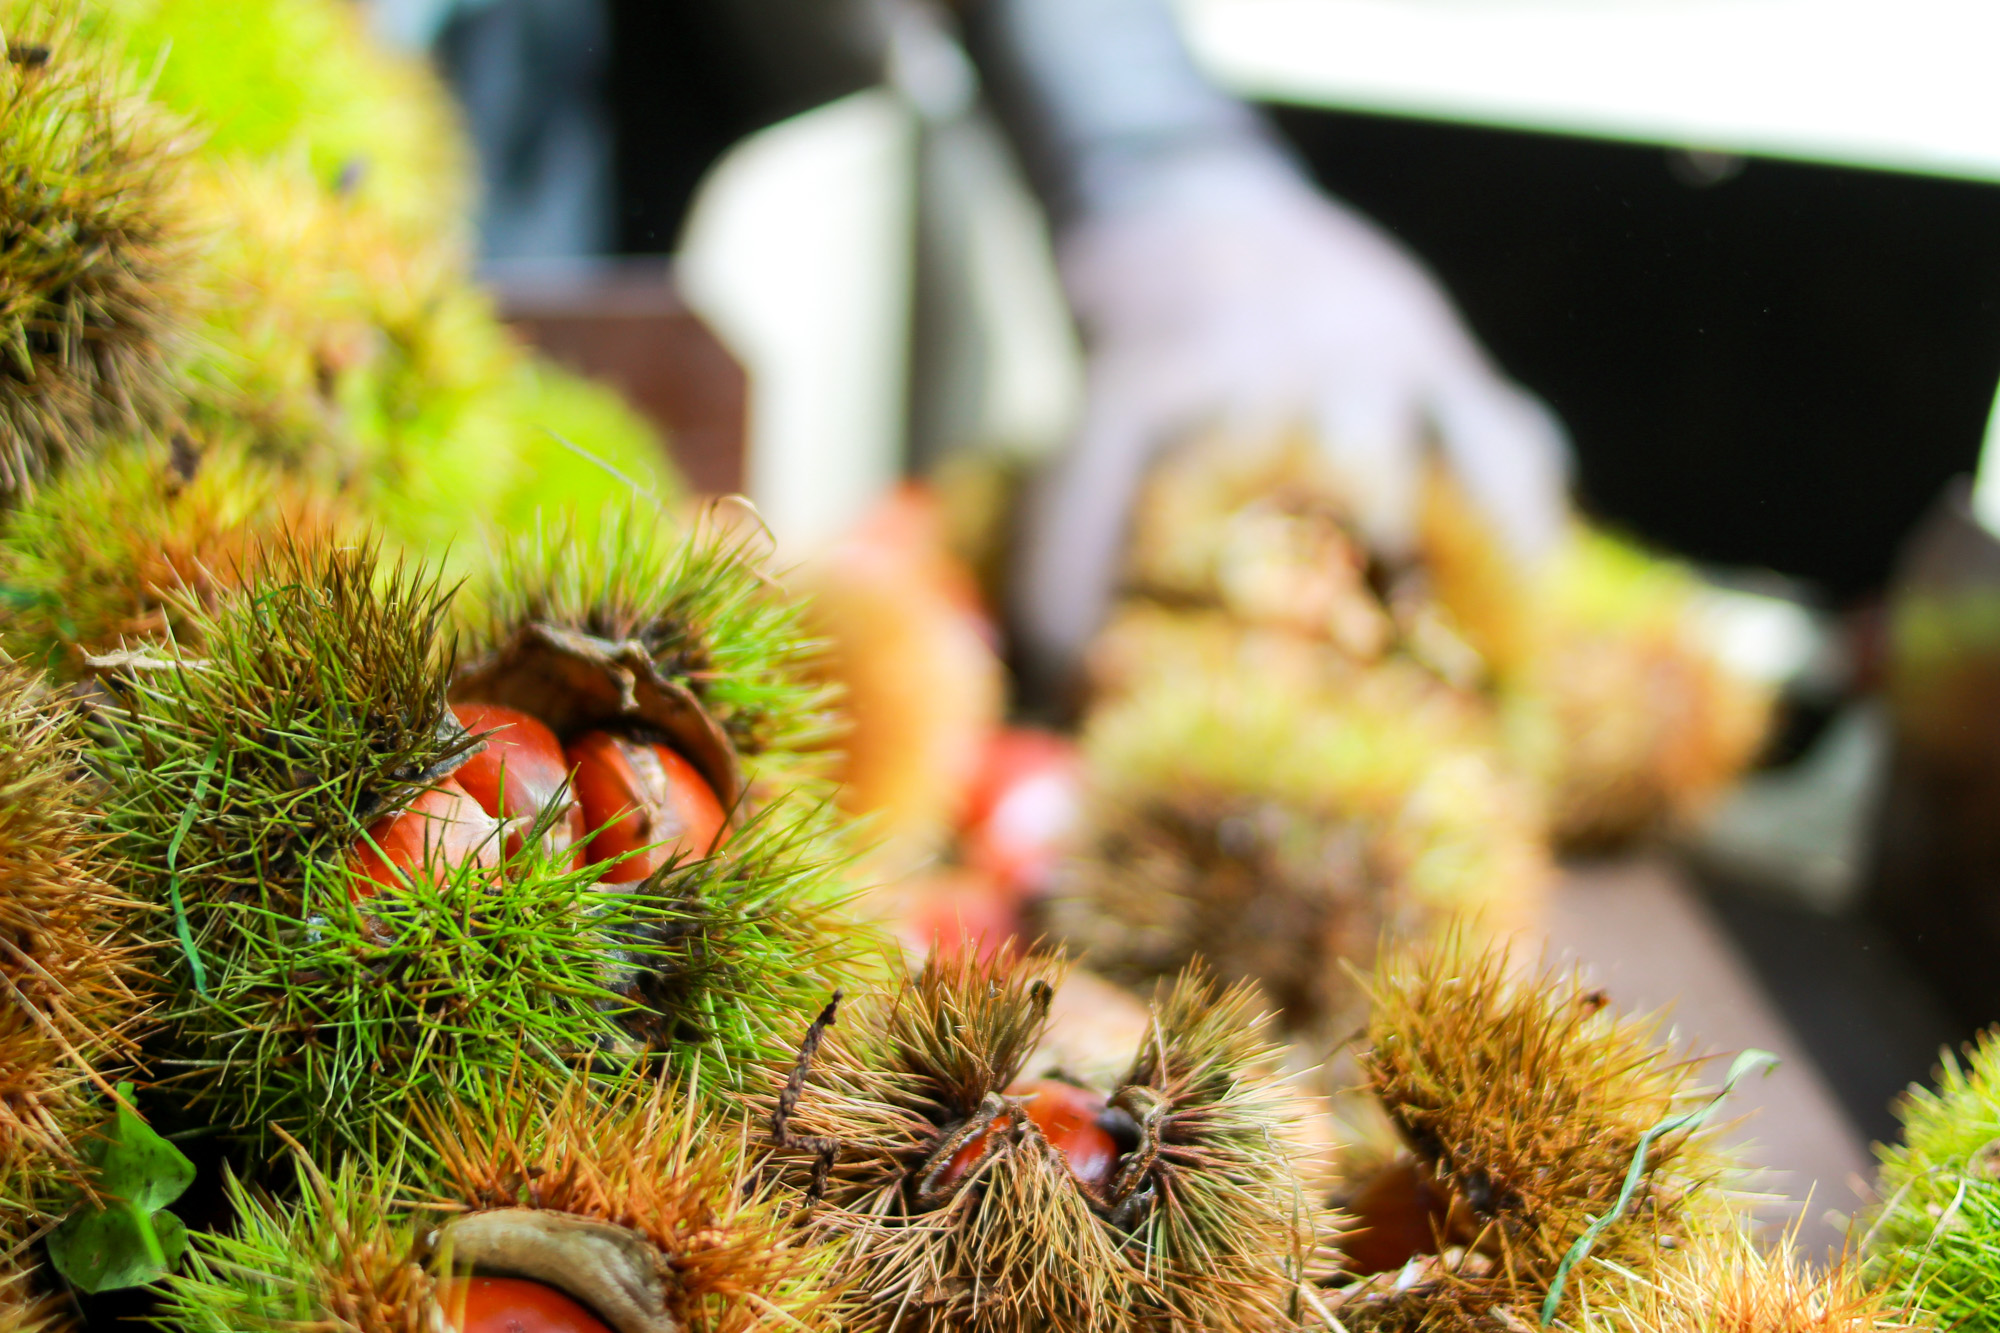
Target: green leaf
(126,1240)
(173,1238)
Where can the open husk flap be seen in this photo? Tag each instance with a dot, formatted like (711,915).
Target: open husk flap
(615,1272)
(574,682)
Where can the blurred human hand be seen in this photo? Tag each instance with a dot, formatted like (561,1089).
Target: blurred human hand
(1228,293)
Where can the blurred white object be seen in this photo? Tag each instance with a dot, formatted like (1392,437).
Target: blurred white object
(1003,359)
(1801,830)
(797,253)
(1232,294)
(1028,385)
(1904,84)
(1005,375)
(1986,481)
(1770,640)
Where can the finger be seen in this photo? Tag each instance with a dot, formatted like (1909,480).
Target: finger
(1076,518)
(1512,455)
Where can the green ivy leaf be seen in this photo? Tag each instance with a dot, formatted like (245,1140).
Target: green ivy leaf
(126,1240)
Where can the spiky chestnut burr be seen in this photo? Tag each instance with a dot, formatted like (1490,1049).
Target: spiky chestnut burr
(692,616)
(244,781)
(1636,724)
(304,81)
(1264,532)
(1607,689)
(623,1199)
(1277,828)
(369,362)
(70,989)
(72,994)
(447,465)
(101,558)
(26,1305)
(744,940)
(965,1200)
(1931,1242)
(1726,1282)
(1522,1101)
(333,340)
(676,673)
(93,246)
(241,778)
(576,447)
(1606,693)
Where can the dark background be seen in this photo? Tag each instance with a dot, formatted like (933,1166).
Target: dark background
(1779,369)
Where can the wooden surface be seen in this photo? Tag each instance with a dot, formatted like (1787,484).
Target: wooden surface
(1644,935)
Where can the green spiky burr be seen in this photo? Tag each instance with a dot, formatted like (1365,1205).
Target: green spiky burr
(1609,692)
(94,244)
(332,335)
(622,1198)
(367,362)
(1263,532)
(1635,723)
(244,779)
(577,448)
(341,333)
(1522,1102)
(1289,755)
(621,621)
(303,83)
(500,458)
(1590,672)
(1932,1240)
(700,607)
(958,1209)
(109,557)
(240,781)
(740,944)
